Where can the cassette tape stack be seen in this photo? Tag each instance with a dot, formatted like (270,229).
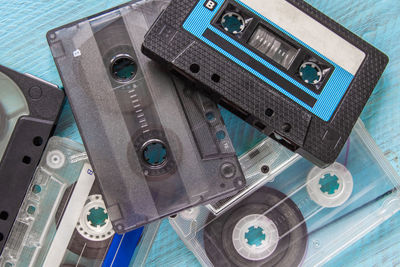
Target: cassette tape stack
(156,145)
(29,108)
(294,213)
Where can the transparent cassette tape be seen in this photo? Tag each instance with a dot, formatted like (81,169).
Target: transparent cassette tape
(164,146)
(63,220)
(63,176)
(302,215)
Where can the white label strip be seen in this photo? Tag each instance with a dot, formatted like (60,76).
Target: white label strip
(311,32)
(70,218)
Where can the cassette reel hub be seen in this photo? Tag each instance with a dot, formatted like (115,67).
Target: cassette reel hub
(257,232)
(94,223)
(123,67)
(330,187)
(255,237)
(232,22)
(310,73)
(154,153)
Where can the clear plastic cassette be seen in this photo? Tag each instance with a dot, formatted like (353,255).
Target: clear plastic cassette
(157,145)
(302,215)
(63,220)
(63,177)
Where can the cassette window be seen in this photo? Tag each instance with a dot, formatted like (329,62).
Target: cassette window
(273,47)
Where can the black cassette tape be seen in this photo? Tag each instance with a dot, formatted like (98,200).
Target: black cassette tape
(29,108)
(156,145)
(281,65)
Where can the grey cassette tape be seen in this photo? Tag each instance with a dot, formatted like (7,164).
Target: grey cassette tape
(156,145)
(302,215)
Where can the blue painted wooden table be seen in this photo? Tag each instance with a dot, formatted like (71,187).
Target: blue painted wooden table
(23,26)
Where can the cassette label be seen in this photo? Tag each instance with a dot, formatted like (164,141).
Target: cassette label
(276,65)
(166,145)
(266,43)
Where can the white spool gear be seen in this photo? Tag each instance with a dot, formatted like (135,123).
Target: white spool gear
(98,230)
(266,247)
(333,198)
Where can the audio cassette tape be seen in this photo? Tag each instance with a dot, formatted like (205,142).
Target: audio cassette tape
(63,220)
(157,145)
(29,108)
(281,65)
(59,189)
(302,216)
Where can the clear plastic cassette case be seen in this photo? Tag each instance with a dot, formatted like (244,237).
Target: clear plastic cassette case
(58,190)
(157,146)
(300,215)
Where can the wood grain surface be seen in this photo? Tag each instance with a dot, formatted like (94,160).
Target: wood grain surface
(23,46)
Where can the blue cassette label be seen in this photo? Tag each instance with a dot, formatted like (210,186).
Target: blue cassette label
(323,104)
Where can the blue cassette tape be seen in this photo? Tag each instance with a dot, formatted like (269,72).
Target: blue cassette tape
(281,65)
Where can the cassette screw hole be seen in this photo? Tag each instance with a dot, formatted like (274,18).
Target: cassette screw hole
(264,169)
(210,116)
(123,68)
(215,78)
(220,135)
(3,215)
(232,22)
(36,189)
(310,73)
(286,127)
(269,112)
(228,170)
(255,236)
(97,217)
(38,141)
(194,68)
(155,153)
(26,160)
(329,184)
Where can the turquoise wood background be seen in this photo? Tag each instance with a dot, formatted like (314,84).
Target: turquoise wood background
(23,26)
